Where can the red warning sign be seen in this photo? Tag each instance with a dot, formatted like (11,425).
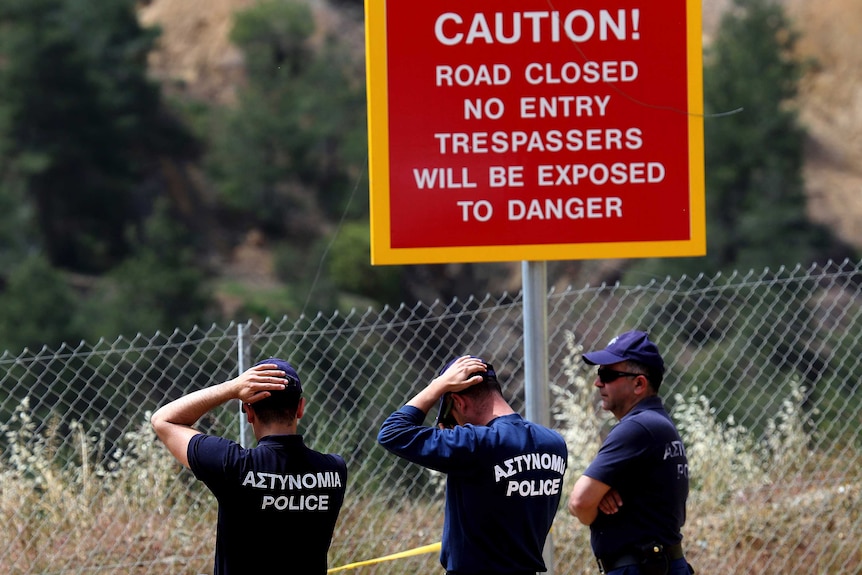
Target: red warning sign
(520,130)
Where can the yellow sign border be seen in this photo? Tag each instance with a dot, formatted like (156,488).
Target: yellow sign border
(378,160)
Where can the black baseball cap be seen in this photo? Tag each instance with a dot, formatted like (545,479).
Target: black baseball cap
(293,385)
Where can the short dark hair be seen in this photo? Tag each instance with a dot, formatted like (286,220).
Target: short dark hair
(280,406)
(654,374)
(488,385)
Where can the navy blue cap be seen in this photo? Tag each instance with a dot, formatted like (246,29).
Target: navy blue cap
(630,346)
(289,372)
(489,372)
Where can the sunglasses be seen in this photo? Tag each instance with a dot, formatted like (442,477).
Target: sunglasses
(444,415)
(608,375)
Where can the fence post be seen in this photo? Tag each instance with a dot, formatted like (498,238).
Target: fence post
(243,350)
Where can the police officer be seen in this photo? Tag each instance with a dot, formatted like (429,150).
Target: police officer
(504,474)
(279,501)
(633,494)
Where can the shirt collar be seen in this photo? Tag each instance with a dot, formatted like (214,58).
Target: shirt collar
(652,402)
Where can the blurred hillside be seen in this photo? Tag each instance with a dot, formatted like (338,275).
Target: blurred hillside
(830,107)
(195,59)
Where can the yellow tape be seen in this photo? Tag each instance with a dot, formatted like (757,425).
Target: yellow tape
(409,553)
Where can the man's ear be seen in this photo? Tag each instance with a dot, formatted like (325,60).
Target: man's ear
(300,408)
(460,402)
(248,410)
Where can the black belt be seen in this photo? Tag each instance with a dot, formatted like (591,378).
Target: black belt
(607,564)
(494,573)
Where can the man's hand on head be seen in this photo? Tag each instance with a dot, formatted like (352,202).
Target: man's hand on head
(464,372)
(258,382)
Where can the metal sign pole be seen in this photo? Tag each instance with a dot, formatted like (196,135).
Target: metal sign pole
(535,288)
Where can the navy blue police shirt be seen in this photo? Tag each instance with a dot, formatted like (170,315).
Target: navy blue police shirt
(278,503)
(643,458)
(503,486)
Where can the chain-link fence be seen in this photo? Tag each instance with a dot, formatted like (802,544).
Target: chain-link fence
(763,377)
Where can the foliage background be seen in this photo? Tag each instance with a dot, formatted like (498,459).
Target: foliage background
(165,166)
(774,450)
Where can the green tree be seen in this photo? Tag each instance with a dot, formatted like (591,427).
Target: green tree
(17,235)
(755,194)
(351,270)
(37,307)
(755,191)
(289,157)
(159,287)
(80,124)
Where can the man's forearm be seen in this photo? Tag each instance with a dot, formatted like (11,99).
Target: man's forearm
(428,397)
(460,375)
(173,422)
(585,498)
(190,408)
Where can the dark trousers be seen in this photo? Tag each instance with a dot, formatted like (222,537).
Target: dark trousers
(677,567)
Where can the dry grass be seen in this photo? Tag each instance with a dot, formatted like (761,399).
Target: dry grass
(91,513)
(771,506)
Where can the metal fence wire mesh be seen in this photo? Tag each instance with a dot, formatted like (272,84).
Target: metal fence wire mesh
(763,380)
